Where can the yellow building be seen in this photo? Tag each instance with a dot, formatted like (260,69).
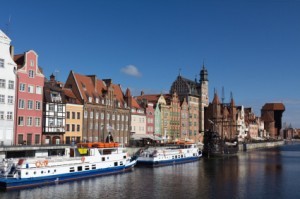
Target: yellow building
(74,115)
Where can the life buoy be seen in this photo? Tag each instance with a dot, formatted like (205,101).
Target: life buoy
(45,163)
(82,159)
(38,164)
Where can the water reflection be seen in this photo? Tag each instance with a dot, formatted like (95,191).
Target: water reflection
(271,173)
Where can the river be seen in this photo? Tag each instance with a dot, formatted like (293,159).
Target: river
(269,173)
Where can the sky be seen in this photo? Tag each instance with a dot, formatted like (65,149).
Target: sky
(249,47)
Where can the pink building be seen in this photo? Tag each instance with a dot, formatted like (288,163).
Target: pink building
(29,99)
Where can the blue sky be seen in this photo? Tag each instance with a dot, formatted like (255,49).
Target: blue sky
(251,48)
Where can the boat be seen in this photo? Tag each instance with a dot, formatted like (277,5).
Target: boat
(175,154)
(215,145)
(78,162)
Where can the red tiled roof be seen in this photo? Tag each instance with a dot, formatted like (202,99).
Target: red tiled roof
(19,60)
(134,103)
(150,98)
(69,94)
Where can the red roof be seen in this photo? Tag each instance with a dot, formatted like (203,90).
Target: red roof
(273,107)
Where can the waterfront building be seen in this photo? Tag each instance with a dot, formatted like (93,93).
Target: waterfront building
(196,95)
(222,117)
(54,112)
(74,115)
(240,122)
(271,114)
(7,91)
(150,114)
(184,120)
(105,107)
(138,118)
(29,98)
(174,116)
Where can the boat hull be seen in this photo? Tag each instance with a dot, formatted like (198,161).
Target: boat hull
(154,163)
(13,183)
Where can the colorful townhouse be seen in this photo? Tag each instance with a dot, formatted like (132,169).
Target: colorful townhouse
(8,71)
(106,109)
(54,112)
(74,115)
(29,98)
(138,118)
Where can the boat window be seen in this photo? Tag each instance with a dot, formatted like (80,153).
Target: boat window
(87,167)
(181,156)
(176,156)
(93,166)
(116,164)
(79,168)
(121,163)
(26,173)
(34,172)
(54,170)
(103,158)
(72,169)
(172,157)
(48,171)
(124,157)
(42,172)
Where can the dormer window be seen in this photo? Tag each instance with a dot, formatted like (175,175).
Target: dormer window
(90,99)
(97,100)
(55,97)
(31,74)
(83,86)
(102,101)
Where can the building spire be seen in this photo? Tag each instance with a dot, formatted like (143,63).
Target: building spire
(179,72)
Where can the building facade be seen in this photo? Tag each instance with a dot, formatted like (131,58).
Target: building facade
(54,112)
(105,108)
(7,91)
(29,98)
(74,115)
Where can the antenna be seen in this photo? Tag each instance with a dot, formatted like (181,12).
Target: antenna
(179,71)
(223,95)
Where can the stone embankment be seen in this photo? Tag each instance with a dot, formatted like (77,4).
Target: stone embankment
(252,146)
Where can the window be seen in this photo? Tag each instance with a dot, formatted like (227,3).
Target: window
(1,115)
(85,114)
(97,115)
(2,83)
(30,104)
(78,127)
(20,139)
(68,127)
(21,103)
(60,108)
(73,127)
(21,121)
(1,63)
(102,116)
(10,99)
(29,121)
(37,121)
(91,125)
(96,126)
(51,107)
(38,90)
(37,105)
(68,115)
(30,89)
(91,114)
(78,115)
(31,74)
(73,115)
(9,115)
(22,87)
(31,63)
(37,139)
(2,99)
(113,116)
(107,116)
(11,84)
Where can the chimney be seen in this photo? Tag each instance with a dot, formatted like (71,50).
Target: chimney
(12,51)
(142,93)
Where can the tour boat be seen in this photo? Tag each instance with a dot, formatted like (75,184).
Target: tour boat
(83,161)
(176,154)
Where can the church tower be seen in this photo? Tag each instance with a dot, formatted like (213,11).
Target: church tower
(204,101)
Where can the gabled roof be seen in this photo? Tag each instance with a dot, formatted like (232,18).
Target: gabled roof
(134,103)
(150,98)
(70,97)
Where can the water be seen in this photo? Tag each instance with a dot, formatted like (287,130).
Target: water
(271,173)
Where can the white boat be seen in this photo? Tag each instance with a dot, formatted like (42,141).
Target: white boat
(77,163)
(177,154)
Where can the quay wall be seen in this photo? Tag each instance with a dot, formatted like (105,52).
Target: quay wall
(253,146)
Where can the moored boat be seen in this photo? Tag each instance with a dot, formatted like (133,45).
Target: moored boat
(79,162)
(215,145)
(176,154)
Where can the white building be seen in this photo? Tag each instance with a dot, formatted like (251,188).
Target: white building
(7,91)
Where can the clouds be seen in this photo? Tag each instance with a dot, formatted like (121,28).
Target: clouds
(131,70)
